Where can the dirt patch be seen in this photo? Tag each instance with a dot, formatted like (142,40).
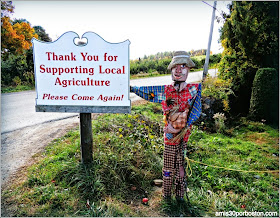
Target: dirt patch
(261,138)
(139,102)
(152,209)
(19,146)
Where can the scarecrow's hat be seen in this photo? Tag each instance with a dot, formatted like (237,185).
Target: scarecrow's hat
(181,57)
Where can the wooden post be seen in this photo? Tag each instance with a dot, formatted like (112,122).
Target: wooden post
(86,138)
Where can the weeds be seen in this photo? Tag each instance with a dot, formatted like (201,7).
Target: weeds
(219,122)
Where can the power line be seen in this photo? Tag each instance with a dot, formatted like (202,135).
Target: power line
(215,9)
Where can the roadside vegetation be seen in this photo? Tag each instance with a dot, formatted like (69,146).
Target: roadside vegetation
(19,84)
(156,65)
(128,157)
(18,88)
(147,67)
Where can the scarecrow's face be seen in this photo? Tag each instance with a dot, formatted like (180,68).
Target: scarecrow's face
(180,72)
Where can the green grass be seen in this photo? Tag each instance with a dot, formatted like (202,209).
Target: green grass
(144,75)
(127,157)
(19,88)
(232,189)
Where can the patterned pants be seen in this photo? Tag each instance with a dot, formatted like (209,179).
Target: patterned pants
(173,169)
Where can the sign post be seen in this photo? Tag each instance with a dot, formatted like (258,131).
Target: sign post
(86,137)
(84,79)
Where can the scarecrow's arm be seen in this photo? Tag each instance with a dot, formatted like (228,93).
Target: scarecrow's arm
(150,93)
(196,108)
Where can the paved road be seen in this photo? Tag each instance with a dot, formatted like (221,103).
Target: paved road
(18,109)
(164,80)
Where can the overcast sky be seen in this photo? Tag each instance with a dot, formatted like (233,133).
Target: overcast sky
(151,26)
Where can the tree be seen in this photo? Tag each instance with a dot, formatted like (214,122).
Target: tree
(19,21)
(250,39)
(15,36)
(17,55)
(6,8)
(42,35)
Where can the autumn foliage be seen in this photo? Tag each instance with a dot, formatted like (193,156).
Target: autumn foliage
(16,52)
(15,38)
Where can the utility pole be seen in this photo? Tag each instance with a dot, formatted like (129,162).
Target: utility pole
(205,68)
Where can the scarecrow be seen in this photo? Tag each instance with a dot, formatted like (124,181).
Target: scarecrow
(181,106)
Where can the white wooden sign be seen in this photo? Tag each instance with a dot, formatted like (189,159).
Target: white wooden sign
(90,78)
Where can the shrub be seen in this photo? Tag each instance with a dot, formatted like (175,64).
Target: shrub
(264,102)
(219,89)
(197,63)
(215,93)
(16,81)
(13,67)
(214,60)
(29,78)
(18,69)
(160,64)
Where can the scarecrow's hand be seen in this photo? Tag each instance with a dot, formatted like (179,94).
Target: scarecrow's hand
(169,129)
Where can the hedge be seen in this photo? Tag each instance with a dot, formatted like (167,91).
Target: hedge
(264,102)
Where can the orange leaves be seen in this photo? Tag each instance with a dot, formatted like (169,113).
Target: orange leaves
(16,38)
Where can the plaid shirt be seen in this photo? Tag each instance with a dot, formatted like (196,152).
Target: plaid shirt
(183,99)
(159,94)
